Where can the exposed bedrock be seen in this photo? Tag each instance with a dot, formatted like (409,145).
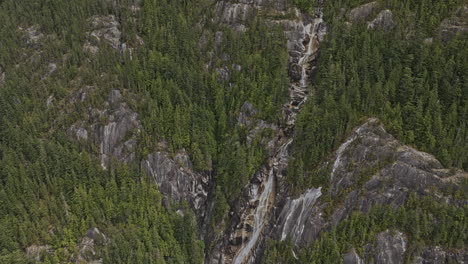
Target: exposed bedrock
(373,161)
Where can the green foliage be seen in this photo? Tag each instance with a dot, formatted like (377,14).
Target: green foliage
(417,89)
(52,191)
(424,221)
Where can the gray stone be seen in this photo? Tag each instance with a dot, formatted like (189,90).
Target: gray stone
(437,255)
(112,129)
(177,180)
(389,247)
(362,12)
(452,26)
(392,171)
(352,258)
(88,250)
(2,76)
(103,29)
(36,252)
(246,114)
(384,21)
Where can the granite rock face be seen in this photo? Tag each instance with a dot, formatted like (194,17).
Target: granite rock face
(36,253)
(112,129)
(384,21)
(177,179)
(352,258)
(389,247)
(294,218)
(387,170)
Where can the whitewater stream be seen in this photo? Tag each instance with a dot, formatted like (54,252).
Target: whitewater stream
(298,95)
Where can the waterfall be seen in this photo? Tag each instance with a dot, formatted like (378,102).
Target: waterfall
(259,219)
(295,214)
(341,149)
(311,31)
(279,161)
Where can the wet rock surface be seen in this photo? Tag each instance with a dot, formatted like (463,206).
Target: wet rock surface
(244,240)
(293,220)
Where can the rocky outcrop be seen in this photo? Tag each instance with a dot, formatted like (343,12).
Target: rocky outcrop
(457,24)
(384,21)
(237,12)
(112,129)
(2,76)
(352,258)
(247,118)
(437,255)
(104,29)
(36,253)
(363,12)
(177,179)
(385,170)
(389,247)
(87,251)
(32,35)
(295,214)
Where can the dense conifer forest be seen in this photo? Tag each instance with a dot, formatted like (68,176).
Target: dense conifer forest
(53,189)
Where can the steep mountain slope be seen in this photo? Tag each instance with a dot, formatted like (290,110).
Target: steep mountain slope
(233,131)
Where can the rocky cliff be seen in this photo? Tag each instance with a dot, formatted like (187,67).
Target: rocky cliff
(370,168)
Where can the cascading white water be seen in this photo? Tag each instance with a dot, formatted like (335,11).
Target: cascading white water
(311,31)
(298,95)
(259,219)
(295,227)
(279,161)
(341,149)
(339,154)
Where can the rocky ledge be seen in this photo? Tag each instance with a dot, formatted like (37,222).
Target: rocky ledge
(370,168)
